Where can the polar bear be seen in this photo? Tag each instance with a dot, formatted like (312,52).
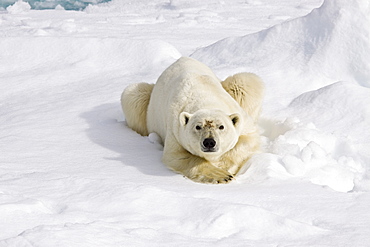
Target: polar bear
(207,126)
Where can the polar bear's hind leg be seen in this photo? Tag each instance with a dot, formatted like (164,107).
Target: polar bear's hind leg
(134,101)
(247,89)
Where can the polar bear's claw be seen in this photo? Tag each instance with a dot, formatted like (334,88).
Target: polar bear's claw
(214,176)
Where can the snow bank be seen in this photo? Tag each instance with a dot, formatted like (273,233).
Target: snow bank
(88,54)
(18,7)
(156,217)
(342,109)
(330,44)
(326,142)
(302,151)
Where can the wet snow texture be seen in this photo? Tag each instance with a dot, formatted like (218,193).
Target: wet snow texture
(73,174)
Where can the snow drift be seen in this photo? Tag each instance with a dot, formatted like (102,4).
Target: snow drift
(330,44)
(96,54)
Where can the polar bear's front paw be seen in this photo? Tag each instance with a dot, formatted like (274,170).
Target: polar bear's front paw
(212,176)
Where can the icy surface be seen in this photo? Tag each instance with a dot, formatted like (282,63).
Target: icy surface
(73,174)
(53,4)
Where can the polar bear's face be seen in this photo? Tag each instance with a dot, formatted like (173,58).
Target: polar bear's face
(209,133)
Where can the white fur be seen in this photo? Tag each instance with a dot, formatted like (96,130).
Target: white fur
(188,105)
(247,89)
(135,101)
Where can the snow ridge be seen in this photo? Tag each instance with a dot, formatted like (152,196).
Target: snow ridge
(329,44)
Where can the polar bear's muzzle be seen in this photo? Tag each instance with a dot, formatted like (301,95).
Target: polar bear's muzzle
(209,145)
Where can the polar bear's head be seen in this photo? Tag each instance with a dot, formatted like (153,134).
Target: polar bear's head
(209,133)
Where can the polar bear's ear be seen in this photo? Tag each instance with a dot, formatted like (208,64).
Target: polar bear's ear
(184,118)
(235,118)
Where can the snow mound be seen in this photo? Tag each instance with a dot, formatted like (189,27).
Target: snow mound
(330,149)
(341,104)
(302,151)
(18,7)
(343,110)
(209,220)
(91,54)
(330,44)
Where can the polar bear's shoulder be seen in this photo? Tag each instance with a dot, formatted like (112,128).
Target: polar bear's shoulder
(184,68)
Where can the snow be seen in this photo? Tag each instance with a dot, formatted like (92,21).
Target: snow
(73,174)
(53,4)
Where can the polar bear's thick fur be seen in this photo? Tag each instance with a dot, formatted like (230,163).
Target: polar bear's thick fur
(135,101)
(208,127)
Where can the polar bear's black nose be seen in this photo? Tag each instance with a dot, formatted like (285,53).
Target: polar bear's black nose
(209,143)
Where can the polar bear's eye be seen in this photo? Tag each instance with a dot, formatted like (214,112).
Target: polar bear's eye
(221,127)
(198,127)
